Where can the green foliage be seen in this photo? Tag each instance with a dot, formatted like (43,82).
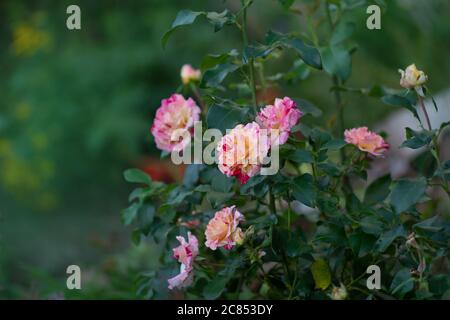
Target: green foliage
(320,221)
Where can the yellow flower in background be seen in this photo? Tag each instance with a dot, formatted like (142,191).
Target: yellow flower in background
(39,141)
(23,111)
(5,147)
(27,40)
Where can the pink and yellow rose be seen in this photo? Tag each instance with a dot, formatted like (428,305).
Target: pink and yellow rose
(185,253)
(366,141)
(223,230)
(174,121)
(281,117)
(189,74)
(241,152)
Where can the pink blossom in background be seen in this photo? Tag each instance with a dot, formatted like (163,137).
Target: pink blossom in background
(241,151)
(366,141)
(189,74)
(175,115)
(223,230)
(281,116)
(185,253)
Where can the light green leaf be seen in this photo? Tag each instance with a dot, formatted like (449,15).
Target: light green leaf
(321,274)
(137,176)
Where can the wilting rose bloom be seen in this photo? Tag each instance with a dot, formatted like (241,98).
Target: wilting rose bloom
(366,141)
(189,74)
(223,230)
(281,116)
(174,121)
(339,293)
(185,253)
(241,152)
(412,77)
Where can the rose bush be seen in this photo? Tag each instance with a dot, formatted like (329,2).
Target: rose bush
(311,230)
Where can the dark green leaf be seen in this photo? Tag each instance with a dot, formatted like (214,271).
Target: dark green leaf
(212,60)
(184,17)
(303,190)
(214,289)
(385,240)
(300,156)
(221,182)
(337,61)
(417,139)
(399,101)
(307,107)
(407,193)
(377,190)
(225,117)
(334,144)
(310,55)
(402,283)
(371,225)
(342,32)
(213,77)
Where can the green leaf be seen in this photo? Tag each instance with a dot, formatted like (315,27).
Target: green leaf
(371,225)
(406,193)
(342,32)
(334,144)
(137,176)
(307,107)
(187,17)
(400,101)
(300,156)
(330,169)
(191,175)
(221,182)
(130,213)
(337,61)
(321,274)
(214,289)
(254,52)
(417,139)
(184,17)
(377,191)
(402,283)
(213,77)
(385,240)
(433,224)
(218,20)
(310,55)
(286,3)
(443,171)
(225,117)
(303,190)
(212,60)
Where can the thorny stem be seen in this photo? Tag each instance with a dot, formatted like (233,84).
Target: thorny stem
(251,60)
(422,105)
(337,94)
(197,95)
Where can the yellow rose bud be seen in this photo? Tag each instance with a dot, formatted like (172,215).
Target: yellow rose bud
(412,77)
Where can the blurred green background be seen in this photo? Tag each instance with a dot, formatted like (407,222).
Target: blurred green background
(76,108)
